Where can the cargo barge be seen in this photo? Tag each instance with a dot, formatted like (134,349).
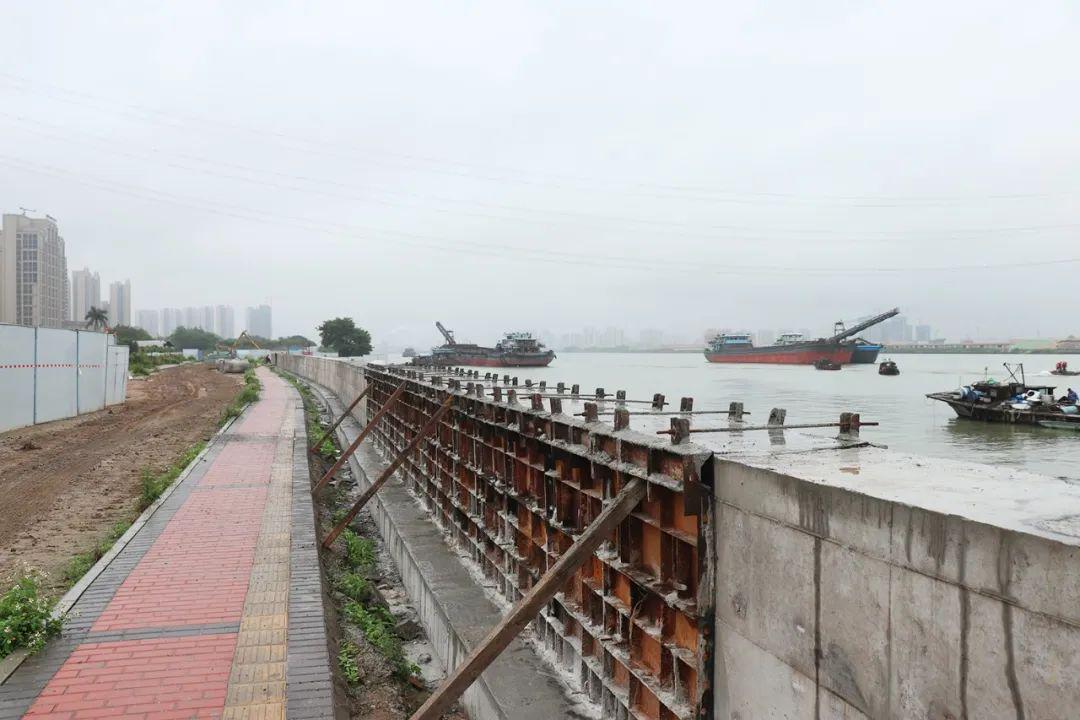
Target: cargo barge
(516,349)
(792,348)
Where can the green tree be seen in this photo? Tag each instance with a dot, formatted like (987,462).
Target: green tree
(125,334)
(193,338)
(96,318)
(342,335)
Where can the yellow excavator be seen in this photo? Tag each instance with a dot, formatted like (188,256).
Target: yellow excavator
(231,349)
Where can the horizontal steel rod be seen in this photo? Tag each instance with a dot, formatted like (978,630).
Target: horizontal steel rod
(769,427)
(671,412)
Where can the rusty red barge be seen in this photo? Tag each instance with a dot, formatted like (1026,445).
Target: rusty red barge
(791,348)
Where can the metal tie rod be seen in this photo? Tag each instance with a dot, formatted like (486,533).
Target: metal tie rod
(800,426)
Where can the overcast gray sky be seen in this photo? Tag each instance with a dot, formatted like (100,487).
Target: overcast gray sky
(502,165)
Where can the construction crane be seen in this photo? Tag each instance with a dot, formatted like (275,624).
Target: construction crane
(445,333)
(841,334)
(232,348)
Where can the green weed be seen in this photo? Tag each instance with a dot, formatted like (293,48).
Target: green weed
(353,586)
(347,662)
(151,485)
(81,563)
(359,552)
(377,624)
(25,616)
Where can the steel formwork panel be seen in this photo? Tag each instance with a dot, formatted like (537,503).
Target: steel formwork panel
(513,485)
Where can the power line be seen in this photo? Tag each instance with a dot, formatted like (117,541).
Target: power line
(662,227)
(495,251)
(516,175)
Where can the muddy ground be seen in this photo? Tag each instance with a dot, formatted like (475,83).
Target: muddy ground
(64,484)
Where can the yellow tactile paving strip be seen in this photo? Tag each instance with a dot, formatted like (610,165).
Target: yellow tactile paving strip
(256,688)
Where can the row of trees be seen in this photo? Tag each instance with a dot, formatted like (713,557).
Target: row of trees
(339,334)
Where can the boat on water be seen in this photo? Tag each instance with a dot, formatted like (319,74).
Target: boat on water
(827,364)
(515,349)
(1062,368)
(408,352)
(888,367)
(1015,402)
(790,348)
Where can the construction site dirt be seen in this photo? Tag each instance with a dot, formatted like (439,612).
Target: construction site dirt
(66,483)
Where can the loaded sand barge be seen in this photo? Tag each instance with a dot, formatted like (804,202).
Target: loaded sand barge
(516,349)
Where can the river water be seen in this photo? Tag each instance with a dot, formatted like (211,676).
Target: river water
(910,422)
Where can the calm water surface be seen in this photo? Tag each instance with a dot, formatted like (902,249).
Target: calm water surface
(909,421)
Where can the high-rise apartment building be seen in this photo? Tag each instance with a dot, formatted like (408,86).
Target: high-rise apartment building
(120,303)
(171,318)
(191,317)
(259,321)
(34,285)
(85,293)
(206,318)
(224,322)
(148,321)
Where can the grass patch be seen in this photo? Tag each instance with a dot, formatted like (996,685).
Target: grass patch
(153,485)
(359,551)
(377,624)
(248,394)
(354,586)
(25,616)
(81,563)
(142,363)
(347,662)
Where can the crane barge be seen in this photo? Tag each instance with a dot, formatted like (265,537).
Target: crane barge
(515,349)
(792,348)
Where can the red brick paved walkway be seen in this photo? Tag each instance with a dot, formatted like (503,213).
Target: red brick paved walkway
(199,625)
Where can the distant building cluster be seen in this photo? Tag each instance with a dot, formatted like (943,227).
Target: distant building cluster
(35,289)
(218,319)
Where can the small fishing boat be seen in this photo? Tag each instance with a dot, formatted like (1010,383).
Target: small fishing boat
(827,364)
(888,367)
(1015,402)
(1062,368)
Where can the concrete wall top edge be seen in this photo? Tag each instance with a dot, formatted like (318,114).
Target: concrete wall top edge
(1001,497)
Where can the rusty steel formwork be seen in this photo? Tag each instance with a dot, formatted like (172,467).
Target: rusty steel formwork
(512,484)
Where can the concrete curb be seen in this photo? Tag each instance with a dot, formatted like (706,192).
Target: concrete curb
(11,663)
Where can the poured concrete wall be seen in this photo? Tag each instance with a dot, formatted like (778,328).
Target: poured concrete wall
(344,378)
(861,583)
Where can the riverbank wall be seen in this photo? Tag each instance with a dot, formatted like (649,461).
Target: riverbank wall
(846,582)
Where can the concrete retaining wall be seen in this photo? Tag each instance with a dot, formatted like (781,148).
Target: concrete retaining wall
(345,379)
(863,583)
(48,374)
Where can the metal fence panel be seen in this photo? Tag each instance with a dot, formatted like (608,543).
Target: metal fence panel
(116,374)
(91,380)
(16,376)
(56,359)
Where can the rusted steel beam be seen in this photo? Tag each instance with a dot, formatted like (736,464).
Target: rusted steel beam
(337,422)
(360,438)
(526,609)
(388,472)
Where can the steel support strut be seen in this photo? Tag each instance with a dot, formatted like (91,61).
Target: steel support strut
(360,438)
(388,472)
(337,422)
(527,608)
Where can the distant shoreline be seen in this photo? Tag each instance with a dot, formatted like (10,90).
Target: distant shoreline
(887,350)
